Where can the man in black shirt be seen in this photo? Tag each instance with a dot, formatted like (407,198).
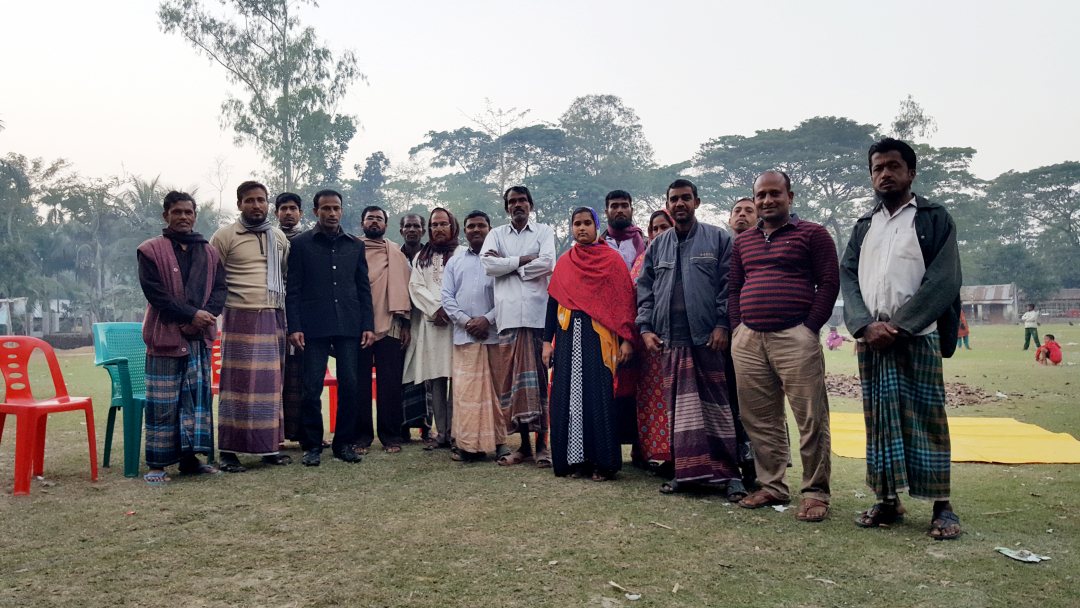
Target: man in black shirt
(328,305)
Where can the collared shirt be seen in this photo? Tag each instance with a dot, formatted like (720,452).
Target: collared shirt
(784,279)
(625,249)
(520,292)
(467,292)
(891,265)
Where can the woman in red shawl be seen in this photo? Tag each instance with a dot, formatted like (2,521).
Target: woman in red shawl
(590,319)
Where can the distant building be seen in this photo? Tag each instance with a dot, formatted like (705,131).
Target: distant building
(1065,304)
(990,303)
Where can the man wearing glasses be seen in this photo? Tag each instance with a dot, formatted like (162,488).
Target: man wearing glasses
(682,314)
(388,272)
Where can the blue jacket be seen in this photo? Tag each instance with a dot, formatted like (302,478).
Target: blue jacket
(707,258)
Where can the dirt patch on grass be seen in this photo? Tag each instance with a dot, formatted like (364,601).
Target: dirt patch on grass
(956,393)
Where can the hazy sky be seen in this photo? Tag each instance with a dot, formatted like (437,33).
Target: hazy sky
(98,83)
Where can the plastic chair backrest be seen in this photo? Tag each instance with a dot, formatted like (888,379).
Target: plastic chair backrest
(15,352)
(215,363)
(113,340)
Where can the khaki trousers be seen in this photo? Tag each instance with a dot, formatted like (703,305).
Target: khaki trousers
(770,365)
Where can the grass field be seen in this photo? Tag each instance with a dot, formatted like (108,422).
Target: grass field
(415,529)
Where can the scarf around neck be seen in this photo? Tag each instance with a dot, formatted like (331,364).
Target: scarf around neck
(195,287)
(275,282)
(431,249)
(631,232)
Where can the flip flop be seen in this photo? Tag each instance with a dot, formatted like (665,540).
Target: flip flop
(943,521)
(543,459)
(393,449)
(513,458)
(156,479)
(808,504)
(880,515)
(202,469)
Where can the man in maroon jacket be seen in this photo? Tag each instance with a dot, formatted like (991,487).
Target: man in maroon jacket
(783,283)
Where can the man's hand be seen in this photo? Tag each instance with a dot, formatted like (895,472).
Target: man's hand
(491,253)
(441,318)
(203,319)
(549,350)
(653,343)
(718,339)
(525,259)
(296,338)
(880,335)
(406,336)
(478,327)
(367,339)
(626,352)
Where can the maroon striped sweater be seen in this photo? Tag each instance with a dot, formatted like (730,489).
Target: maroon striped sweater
(792,277)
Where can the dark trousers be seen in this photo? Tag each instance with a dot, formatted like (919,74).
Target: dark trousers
(1029,333)
(388,359)
(316,354)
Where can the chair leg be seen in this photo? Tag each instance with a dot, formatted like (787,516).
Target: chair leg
(91,438)
(333,408)
(133,423)
(39,446)
(2,418)
(110,427)
(25,432)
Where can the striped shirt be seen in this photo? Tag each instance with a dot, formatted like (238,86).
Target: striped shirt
(787,278)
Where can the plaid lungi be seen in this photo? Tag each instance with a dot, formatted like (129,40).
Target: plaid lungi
(703,437)
(252,357)
(179,406)
(907,430)
(521,380)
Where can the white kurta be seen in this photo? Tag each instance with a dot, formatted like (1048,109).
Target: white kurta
(431,353)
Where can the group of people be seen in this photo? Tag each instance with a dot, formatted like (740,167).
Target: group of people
(630,337)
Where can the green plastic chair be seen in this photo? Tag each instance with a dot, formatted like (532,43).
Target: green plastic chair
(119,348)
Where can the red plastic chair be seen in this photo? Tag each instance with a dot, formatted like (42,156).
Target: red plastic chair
(329,381)
(31,414)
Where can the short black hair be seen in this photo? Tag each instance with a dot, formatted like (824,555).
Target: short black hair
(1049,336)
(681,183)
(288,197)
(477,213)
(888,144)
(371,208)
(249,185)
(745,198)
(175,196)
(517,190)
(326,192)
(616,194)
(407,216)
(787,178)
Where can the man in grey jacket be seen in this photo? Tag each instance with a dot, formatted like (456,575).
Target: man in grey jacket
(682,314)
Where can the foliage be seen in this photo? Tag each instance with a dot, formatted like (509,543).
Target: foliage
(290,82)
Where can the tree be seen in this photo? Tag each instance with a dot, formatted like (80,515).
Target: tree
(372,177)
(290,81)
(912,121)
(1014,263)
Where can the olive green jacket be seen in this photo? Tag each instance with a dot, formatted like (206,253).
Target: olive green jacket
(937,299)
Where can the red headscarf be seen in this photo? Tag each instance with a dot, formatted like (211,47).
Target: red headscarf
(593,279)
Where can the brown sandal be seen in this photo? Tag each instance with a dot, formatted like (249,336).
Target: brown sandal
(513,458)
(808,505)
(762,498)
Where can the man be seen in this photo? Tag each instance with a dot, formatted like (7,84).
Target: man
(901,278)
(1031,326)
(683,316)
(784,282)
(414,397)
(468,298)
(621,234)
(388,274)
(743,216)
(411,230)
(179,328)
(329,306)
(521,256)
(253,333)
(287,210)
(428,361)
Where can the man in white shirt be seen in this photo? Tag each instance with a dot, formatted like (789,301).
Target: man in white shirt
(1031,326)
(521,257)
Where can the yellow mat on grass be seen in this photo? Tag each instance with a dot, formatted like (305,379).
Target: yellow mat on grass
(974,439)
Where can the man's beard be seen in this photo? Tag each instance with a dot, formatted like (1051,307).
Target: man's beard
(374,232)
(891,196)
(620,223)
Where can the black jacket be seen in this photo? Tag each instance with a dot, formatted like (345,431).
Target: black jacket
(328,293)
(938,298)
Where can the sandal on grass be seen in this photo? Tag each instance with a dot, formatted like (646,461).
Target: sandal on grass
(945,526)
(762,498)
(156,478)
(392,449)
(670,487)
(735,491)
(277,459)
(200,469)
(543,459)
(881,515)
(812,510)
(509,460)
